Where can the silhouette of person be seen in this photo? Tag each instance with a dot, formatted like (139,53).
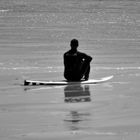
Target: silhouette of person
(76,64)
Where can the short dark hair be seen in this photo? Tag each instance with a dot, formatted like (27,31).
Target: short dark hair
(74,42)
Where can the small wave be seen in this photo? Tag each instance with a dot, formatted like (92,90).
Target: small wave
(25,68)
(56,69)
(34,68)
(18,68)
(4,10)
(118,68)
(105,133)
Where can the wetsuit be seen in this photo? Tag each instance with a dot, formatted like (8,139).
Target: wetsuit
(77,65)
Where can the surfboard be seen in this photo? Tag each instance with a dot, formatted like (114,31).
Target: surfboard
(64,82)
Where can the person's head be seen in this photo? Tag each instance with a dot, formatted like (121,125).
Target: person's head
(74,44)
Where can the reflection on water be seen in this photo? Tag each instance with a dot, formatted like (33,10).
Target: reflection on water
(77,93)
(74,120)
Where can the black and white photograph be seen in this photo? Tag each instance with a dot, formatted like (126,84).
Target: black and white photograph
(69,69)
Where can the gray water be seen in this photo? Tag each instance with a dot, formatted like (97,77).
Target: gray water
(34,34)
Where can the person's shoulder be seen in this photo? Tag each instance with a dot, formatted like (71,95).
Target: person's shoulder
(67,53)
(84,55)
(81,53)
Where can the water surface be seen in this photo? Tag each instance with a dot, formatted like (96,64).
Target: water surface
(33,37)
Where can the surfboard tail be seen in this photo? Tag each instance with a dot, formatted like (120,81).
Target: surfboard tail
(26,83)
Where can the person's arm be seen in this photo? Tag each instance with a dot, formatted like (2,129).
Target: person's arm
(87,57)
(65,60)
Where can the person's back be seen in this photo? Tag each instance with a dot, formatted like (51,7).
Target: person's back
(77,64)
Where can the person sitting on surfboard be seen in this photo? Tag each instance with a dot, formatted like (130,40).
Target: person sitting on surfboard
(76,64)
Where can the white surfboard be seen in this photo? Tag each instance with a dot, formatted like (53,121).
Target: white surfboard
(91,81)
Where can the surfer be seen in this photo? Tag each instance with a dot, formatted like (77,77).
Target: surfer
(76,64)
